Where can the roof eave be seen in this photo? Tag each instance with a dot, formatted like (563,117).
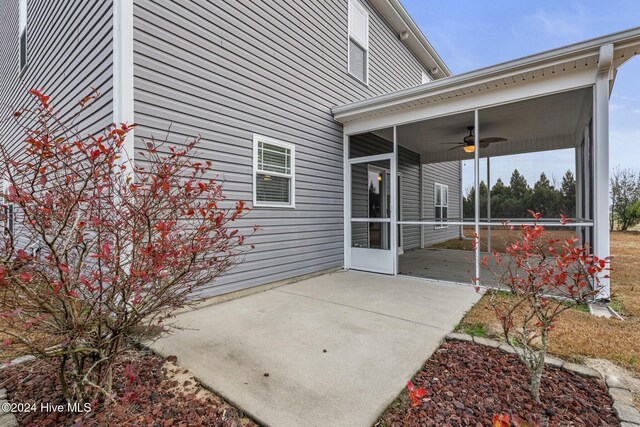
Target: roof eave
(578,50)
(397,16)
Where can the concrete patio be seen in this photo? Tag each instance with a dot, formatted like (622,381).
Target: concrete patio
(337,348)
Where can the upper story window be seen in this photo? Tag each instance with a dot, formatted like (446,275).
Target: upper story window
(441,204)
(22,34)
(358,41)
(273,173)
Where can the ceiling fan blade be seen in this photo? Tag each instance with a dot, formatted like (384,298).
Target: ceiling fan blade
(484,144)
(491,139)
(454,148)
(450,143)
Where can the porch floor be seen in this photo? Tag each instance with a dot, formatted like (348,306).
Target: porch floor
(443,264)
(333,350)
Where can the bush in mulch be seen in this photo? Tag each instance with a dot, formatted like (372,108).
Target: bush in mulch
(468,384)
(147,396)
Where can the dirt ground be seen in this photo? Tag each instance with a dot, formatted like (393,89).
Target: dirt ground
(500,236)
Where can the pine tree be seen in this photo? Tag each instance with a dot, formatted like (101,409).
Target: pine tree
(568,190)
(518,185)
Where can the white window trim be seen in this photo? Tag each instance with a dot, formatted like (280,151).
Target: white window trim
(22,29)
(441,205)
(362,43)
(256,204)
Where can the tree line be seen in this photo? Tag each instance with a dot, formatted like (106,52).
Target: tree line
(515,199)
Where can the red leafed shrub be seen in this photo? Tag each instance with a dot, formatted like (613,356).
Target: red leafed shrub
(103,250)
(545,277)
(415,394)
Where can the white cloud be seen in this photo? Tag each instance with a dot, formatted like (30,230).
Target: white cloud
(560,27)
(621,97)
(623,148)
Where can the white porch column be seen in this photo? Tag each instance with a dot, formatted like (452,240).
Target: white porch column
(394,202)
(601,161)
(346,195)
(461,210)
(489,203)
(476,170)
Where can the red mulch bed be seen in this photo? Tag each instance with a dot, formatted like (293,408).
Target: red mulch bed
(151,400)
(468,384)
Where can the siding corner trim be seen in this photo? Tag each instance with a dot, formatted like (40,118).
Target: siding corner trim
(123,71)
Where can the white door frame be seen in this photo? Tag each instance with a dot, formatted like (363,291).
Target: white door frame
(374,260)
(399,228)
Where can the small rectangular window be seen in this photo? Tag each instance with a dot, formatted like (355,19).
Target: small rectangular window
(441,204)
(274,173)
(22,35)
(358,49)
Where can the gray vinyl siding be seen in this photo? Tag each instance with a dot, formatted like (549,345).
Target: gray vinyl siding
(447,173)
(409,168)
(227,70)
(69,45)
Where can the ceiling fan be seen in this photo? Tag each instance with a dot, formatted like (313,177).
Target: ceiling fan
(468,142)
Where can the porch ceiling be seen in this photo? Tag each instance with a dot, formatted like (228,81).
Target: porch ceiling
(539,124)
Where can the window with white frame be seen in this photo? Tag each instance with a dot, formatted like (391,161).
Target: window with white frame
(22,34)
(358,41)
(441,204)
(273,173)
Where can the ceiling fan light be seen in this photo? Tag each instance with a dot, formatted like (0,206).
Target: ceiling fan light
(469,148)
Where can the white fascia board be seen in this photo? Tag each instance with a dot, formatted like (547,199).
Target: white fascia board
(538,61)
(123,108)
(502,95)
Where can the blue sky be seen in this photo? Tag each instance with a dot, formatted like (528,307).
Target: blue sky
(473,34)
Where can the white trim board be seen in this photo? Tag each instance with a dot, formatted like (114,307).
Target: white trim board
(123,108)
